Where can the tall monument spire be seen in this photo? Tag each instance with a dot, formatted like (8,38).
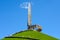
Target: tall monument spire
(29,15)
(28,6)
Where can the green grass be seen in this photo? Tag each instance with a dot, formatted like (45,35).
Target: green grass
(30,35)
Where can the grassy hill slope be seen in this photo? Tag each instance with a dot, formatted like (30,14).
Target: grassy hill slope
(29,35)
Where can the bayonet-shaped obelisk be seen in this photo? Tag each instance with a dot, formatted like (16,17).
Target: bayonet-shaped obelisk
(27,6)
(29,16)
(29,13)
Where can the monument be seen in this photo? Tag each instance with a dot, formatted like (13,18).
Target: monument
(28,6)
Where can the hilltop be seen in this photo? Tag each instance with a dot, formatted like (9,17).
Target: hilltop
(29,35)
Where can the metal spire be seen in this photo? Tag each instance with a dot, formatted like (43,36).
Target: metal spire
(29,14)
(27,6)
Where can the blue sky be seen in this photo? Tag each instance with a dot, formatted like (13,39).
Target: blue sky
(13,18)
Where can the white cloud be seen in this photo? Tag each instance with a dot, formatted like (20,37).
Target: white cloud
(24,5)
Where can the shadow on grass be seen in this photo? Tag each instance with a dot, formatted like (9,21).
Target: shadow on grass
(23,38)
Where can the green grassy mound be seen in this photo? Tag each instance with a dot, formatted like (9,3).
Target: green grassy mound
(29,35)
